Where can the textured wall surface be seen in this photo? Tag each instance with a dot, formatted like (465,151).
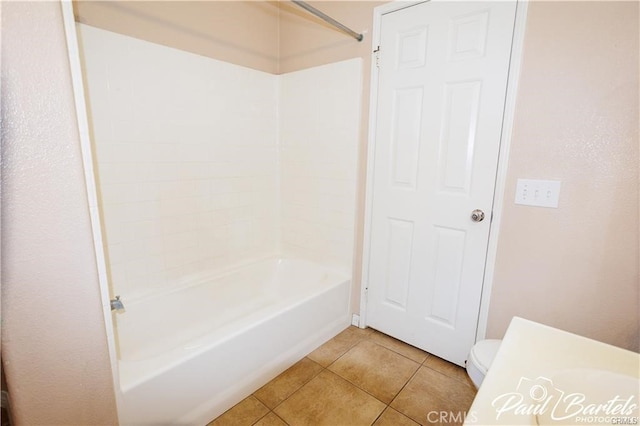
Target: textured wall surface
(575,267)
(240,32)
(54,347)
(186,153)
(307,41)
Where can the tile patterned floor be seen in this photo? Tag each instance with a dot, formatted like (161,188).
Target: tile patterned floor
(360,377)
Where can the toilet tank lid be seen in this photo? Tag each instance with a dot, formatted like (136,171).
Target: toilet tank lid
(485,351)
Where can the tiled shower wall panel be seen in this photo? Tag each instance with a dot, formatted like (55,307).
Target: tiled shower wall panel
(319,135)
(186,160)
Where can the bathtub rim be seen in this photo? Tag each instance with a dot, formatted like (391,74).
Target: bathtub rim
(223,272)
(133,373)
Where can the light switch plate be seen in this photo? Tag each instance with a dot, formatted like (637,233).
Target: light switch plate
(540,193)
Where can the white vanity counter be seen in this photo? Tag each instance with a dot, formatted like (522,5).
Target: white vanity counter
(542,375)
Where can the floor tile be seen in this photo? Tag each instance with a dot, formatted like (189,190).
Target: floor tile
(244,413)
(280,388)
(448,369)
(340,344)
(391,417)
(375,369)
(270,420)
(329,400)
(396,345)
(430,391)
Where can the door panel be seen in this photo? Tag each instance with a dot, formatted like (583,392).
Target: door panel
(407,114)
(399,262)
(441,93)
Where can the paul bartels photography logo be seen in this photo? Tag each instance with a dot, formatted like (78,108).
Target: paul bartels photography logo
(549,403)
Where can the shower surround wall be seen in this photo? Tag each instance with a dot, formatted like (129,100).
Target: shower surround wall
(186,153)
(319,122)
(193,177)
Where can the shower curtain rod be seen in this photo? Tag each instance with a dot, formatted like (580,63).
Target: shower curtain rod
(328,19)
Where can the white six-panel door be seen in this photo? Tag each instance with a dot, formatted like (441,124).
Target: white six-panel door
(443,68)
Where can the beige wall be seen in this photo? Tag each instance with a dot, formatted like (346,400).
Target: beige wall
(575,267)
(240,32)
(307,41)
(54,348)
(272,36)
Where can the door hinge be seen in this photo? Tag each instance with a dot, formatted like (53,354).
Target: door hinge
(377,53)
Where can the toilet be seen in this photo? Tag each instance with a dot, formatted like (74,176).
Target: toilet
(480,359)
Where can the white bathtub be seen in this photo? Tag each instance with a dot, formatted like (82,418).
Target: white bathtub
(189,355)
